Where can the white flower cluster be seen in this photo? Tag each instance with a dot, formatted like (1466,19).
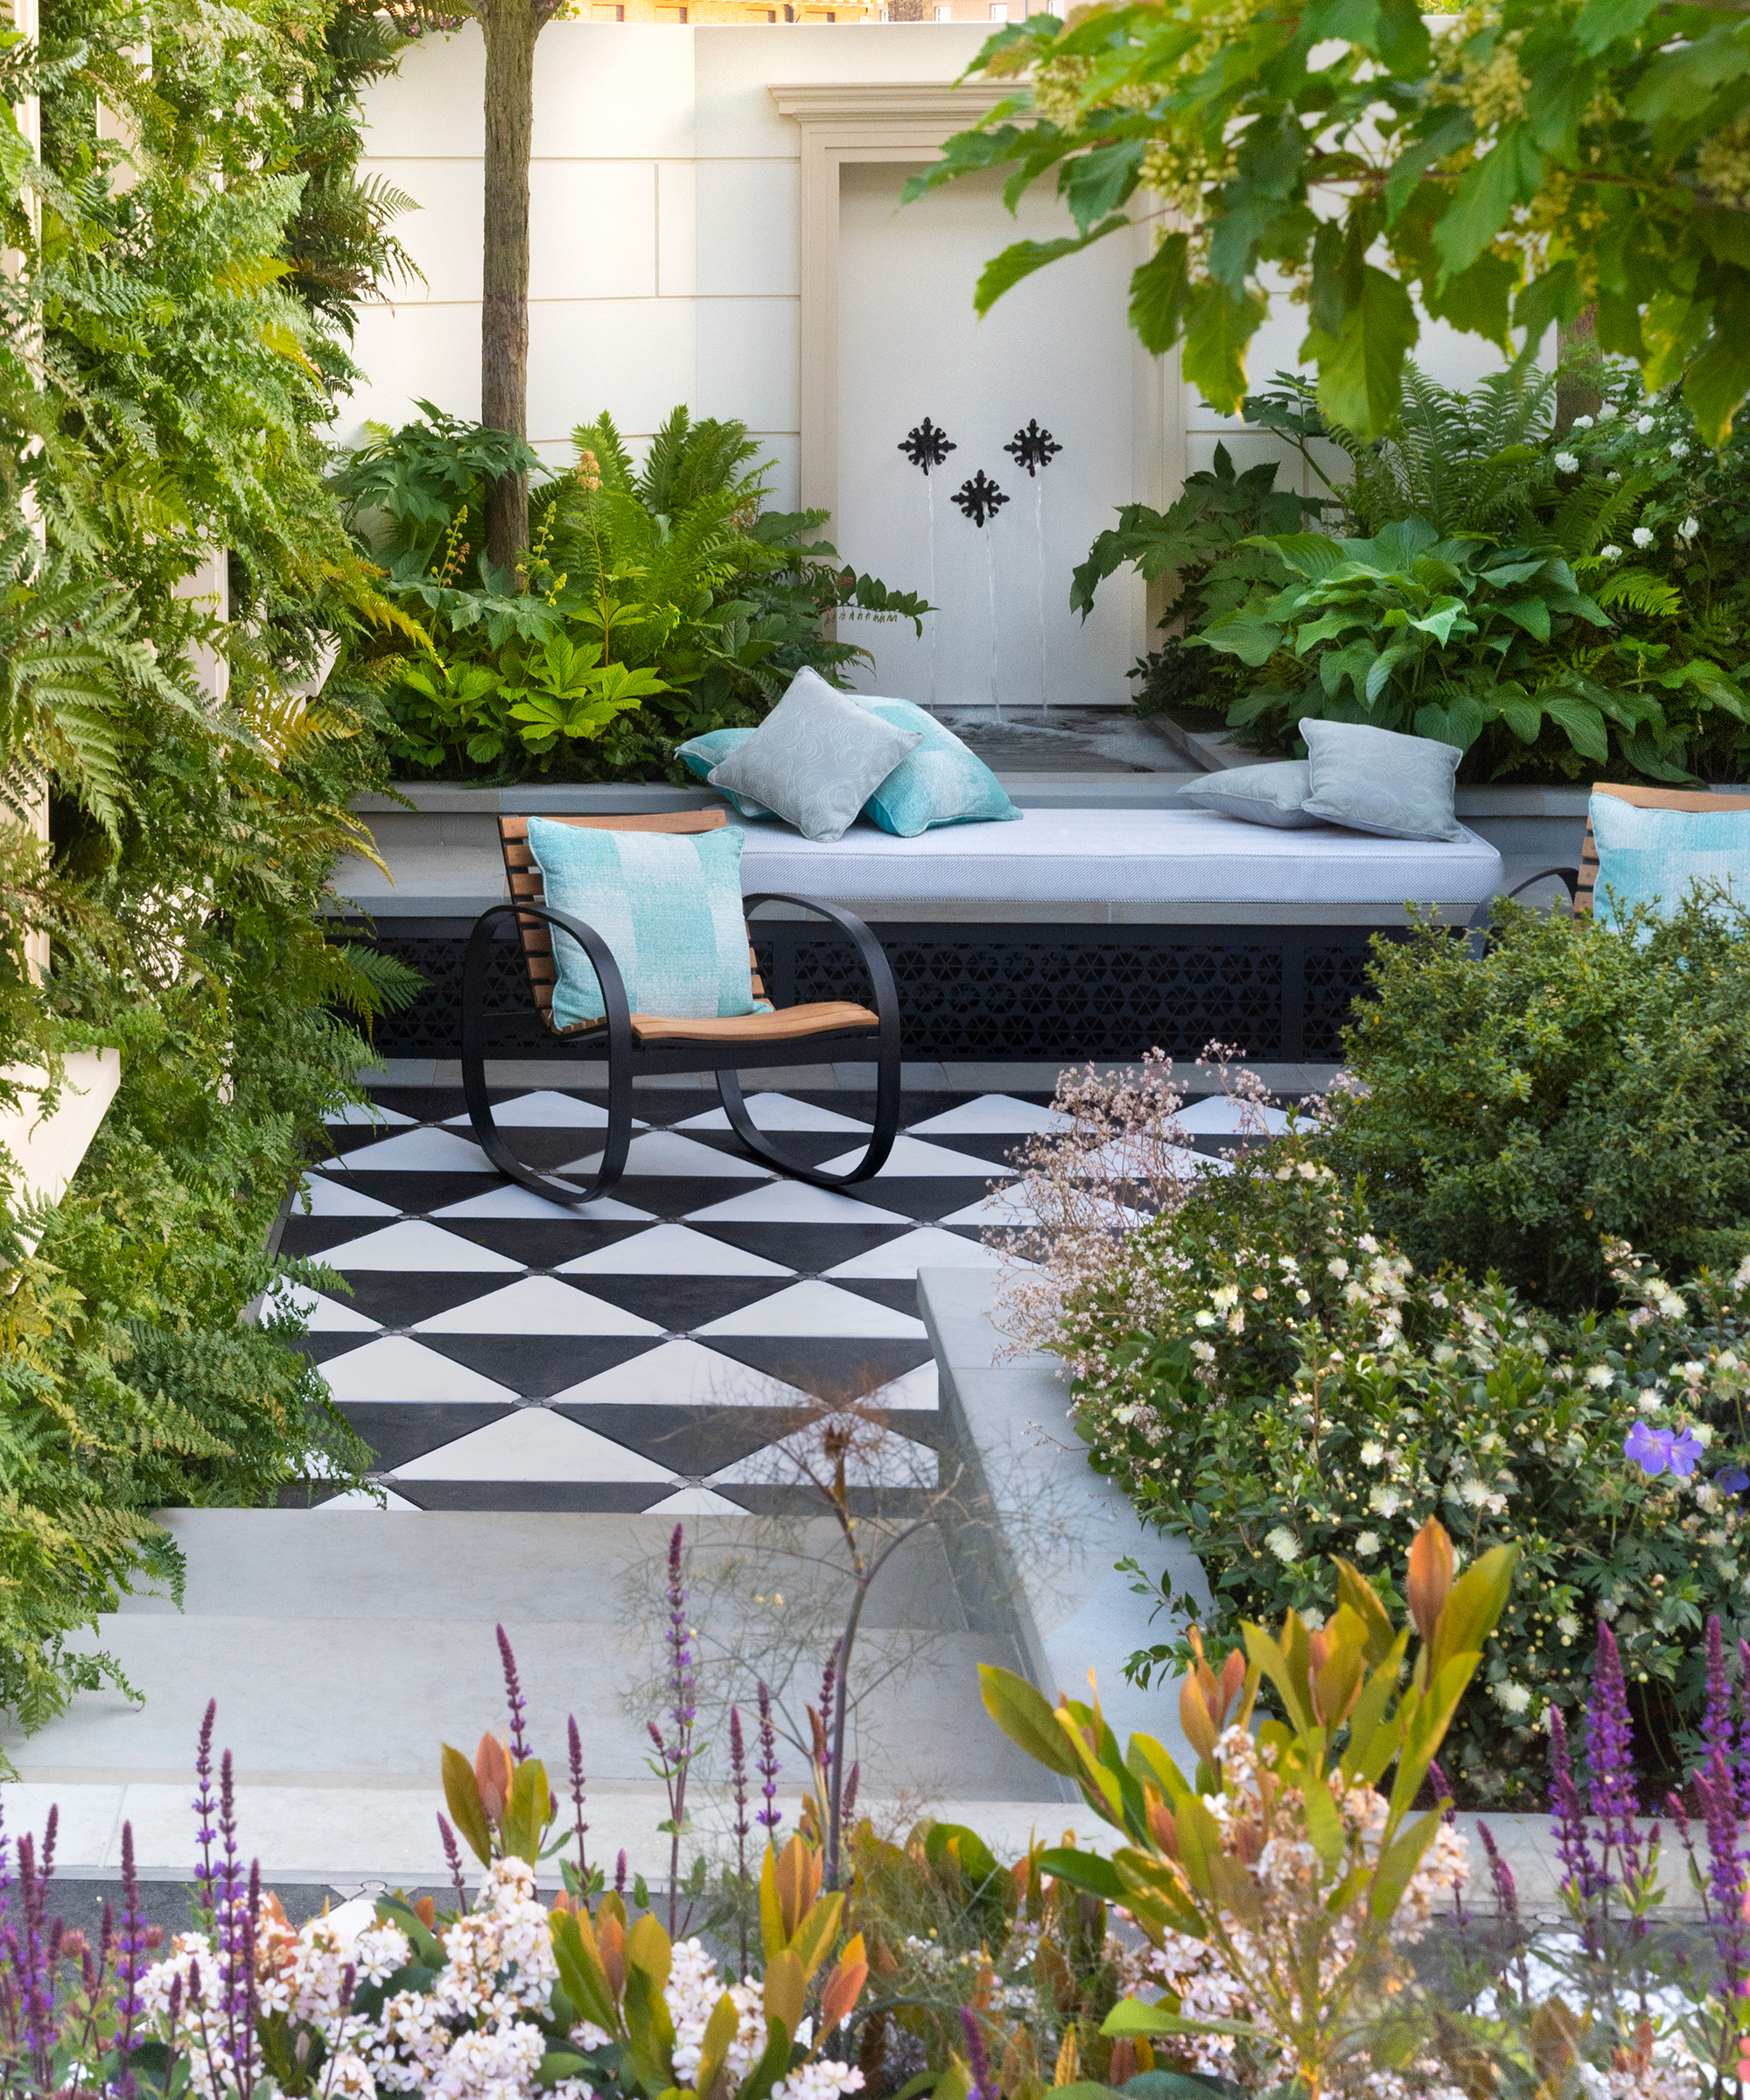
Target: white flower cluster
(692,1991)
(470,2036)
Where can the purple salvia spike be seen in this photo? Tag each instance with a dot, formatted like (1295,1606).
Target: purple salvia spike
(977,2061)
(452,1855)
(1573,1846)
(574,1745)
(203,1805)
(770,1816)
(620,1875)
(514,1698)
(829,1684)
(130,1948)
(228,1897)
(1506,1890)
(1610,1761)
(1726,1862)
(847,1807)
(1742,1760)
(738,1771)
(1461,1917)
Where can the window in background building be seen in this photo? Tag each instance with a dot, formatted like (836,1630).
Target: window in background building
(944,14)
(999,11)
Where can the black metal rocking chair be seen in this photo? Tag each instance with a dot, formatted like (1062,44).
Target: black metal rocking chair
(640,1045)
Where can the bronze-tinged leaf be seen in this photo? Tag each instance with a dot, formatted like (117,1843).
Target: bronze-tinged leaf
(843,1987)
(786,1988)
(796,1878)
(466,1810)
(493,1776)
(1430,1578)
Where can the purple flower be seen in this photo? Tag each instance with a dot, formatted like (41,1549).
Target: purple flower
(767,1765)
(1731,1480)
(514,1698)
(1654,1450)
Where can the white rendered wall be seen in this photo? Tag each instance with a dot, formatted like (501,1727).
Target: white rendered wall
(665,269)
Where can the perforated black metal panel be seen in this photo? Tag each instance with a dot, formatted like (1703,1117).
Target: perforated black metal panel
(1030,994)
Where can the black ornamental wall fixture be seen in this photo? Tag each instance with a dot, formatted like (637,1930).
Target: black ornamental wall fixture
(980,498)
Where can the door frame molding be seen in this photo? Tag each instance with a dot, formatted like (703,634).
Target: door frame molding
(847,124)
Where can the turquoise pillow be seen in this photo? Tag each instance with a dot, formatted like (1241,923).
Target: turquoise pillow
(942,782)
(699,754)
(1654,857)
(670,907)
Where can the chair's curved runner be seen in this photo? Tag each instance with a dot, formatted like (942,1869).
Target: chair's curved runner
(650,1044)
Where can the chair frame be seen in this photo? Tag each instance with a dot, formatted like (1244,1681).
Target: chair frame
(629,1060)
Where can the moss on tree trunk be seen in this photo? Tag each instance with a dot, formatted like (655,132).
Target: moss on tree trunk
(510,28)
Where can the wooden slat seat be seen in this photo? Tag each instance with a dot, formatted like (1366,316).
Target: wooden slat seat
(649,1044)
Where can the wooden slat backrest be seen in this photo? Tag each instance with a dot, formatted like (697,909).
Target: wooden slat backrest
(525,884)
(1642,798)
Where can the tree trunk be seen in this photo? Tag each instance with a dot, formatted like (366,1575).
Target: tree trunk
(510,28)
(1576,370)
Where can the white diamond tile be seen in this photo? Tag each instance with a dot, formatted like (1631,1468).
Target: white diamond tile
(815,1308)
(1217,1115)
(360,1498)
(682,1374)
(993,1115)
(414,1244)
(671,1250)
(338,1199)
(921,1389)
(1126,1159)
(510,1201)
(877,1458)
(395,1369)
(662,1152)
(911,1158)
(366,1116)
(545,1110)
(1001,1207)
(424,1151)
(536,1305)
(794,1203)
(321,1315)
(930,1248)
(532,1445)
(695,1502)
(777,1112)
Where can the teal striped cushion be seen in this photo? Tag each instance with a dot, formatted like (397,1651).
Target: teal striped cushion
(1655,856)
(670,907)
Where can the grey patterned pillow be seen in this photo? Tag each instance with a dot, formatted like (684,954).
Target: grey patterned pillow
(1256,795)
(1372,779)
(815,759)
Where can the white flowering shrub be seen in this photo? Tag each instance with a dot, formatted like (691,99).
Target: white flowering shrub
(1275,1382)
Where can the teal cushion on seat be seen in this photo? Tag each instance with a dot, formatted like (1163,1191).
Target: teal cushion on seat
(942,782)
(700,754)
(670,907)
(1655,856)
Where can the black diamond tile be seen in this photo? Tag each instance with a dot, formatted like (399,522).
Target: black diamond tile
(692,1441)
(997,1236)
(828,1366)
(344,1137)
(681,1303)
(323,1349)
(559,1497)
(806,1148)
(416,1193)
(308,1239)
(398,1298)
(543,1243)
(922,1196)
(428,1104)
(674,1195)
(538,1366)
(400,1430)
(663,1107)
(898,1293)
(806,1249)
(980,1147)
(544,1150)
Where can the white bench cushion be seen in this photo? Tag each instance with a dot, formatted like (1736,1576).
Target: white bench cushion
(1175,857)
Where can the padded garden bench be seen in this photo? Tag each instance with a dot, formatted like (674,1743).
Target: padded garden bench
(1075,932)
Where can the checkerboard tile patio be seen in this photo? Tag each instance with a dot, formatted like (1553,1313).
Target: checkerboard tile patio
(673,1348)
